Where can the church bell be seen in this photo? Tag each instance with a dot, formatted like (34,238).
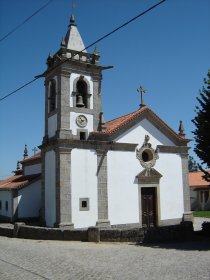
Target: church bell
(80,101)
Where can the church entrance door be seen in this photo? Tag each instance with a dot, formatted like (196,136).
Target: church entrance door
(148,202)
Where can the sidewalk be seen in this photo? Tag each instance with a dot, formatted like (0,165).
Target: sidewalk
(198,222)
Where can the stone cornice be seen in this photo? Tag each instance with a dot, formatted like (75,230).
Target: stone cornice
(183,150)
(93,145)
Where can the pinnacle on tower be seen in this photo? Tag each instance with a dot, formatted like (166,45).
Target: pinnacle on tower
(181,129)
(25,155)
(73,39)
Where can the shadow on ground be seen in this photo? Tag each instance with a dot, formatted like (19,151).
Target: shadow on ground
(201,244)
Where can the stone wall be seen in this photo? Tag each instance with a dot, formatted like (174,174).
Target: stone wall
(182,232)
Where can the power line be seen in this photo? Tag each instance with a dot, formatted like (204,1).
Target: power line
(26,84)
(92,44)
(27,19)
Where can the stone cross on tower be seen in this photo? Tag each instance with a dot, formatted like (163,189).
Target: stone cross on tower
(142,91)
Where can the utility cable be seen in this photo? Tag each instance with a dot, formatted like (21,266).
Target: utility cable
(27,19)
(92,44)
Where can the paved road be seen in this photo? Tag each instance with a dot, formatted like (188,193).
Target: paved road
(32,259)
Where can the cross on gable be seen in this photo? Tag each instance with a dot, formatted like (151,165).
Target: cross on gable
(142,91)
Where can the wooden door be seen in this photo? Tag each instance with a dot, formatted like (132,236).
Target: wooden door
(148,202)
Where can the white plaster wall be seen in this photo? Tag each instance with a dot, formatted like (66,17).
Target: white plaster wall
(137,133)
(74,126)
(123,203)
(52,125)
(6,196)
(32,169)
(171,186)
(84,185)
(72,78)
(30,200)
(50,190)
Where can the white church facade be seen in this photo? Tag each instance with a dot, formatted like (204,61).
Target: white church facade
(130,171)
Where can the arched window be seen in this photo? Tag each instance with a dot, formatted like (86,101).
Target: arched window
(82,96)
(52,97)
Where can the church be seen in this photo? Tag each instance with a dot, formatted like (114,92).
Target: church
(128,172)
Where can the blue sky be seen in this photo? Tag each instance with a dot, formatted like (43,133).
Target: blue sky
(167,51)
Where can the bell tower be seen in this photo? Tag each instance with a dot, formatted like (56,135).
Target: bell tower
(73,89)
(72,110)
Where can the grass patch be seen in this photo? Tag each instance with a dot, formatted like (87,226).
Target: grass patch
(203,214)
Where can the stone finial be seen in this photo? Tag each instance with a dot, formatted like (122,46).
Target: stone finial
(96,56)
(63,43)
(25,155)
(49,60)
(96,52)
(18,166)
(72,21)
(181,129)
(102,122)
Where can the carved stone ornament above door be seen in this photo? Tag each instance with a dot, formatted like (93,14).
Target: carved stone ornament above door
(146,155)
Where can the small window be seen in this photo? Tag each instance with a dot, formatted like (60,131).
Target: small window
(6,205)
(0,205)
(84,204)
(82,136)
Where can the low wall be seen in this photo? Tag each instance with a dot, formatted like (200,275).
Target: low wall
(182,232)
(29,232)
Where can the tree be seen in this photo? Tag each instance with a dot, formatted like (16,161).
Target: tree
(202,127)
(192,165)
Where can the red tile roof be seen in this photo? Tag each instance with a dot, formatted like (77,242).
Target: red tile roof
(196,180)
(18,181)
(115,125)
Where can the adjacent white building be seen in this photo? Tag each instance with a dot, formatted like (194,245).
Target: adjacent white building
(20,194)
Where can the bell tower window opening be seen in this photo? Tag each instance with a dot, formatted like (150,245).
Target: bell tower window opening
(52,97)
(82,95)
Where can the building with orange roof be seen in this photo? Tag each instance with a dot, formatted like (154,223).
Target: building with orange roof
(129,172)
(20,194)
(199,191)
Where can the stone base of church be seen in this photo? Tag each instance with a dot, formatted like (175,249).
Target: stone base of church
(188,216)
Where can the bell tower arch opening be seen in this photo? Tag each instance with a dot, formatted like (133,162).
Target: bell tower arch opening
(82,94)
(52,96)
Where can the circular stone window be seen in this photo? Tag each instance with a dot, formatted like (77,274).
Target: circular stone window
(147,155)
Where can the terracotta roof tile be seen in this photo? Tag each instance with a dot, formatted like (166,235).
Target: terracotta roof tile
(116,124)
(196,180)
(17,181)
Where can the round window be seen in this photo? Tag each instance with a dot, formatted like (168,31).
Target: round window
(147,155)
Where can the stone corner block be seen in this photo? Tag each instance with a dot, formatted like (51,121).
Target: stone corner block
(17,227)
(93,234)
(188,217)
